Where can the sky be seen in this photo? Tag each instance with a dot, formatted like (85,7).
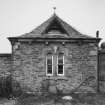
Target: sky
(18,17)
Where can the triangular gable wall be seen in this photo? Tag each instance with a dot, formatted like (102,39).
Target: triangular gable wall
(63,27)
(55,26)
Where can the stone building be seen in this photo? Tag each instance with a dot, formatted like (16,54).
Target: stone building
(102,67)
(54,57)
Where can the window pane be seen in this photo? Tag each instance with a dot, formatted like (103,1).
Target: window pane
(49,64)
(60,61)
(49,69)
(60,64)
(49,61)
(60,69)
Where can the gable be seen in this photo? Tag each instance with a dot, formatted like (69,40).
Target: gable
(55,29)
(55,25)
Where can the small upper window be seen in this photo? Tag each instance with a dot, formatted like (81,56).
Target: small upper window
(60,64)
(49,65)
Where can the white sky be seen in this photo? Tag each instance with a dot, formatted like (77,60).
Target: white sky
(21,16)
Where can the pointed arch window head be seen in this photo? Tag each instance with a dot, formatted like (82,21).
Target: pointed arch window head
(60,64)
(49,64)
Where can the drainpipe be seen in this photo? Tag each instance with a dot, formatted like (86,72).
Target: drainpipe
(97,36)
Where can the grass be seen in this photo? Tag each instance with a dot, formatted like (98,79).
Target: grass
(54,99)
(5,101)
(51,99)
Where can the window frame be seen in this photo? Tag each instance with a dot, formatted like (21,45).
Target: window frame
(48,74)
(58,64)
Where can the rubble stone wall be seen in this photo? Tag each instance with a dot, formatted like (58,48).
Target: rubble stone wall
(80,67)
(102,70)
(5,64)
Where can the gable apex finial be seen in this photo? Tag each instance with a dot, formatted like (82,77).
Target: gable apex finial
(54,9)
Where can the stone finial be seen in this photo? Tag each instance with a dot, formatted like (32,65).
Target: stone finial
(54,9)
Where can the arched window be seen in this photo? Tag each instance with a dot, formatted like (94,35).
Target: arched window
(60,64)
(49,64)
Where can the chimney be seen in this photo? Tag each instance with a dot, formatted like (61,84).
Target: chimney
(97,33)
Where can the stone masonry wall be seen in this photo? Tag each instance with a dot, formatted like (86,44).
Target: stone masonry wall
(102,70)
(80,67)
(5,71)
(5,64)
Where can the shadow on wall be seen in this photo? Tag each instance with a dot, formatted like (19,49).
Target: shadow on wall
(6,87)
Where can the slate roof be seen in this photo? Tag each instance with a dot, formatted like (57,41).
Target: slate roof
(38,31)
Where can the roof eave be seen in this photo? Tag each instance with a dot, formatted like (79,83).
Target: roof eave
(36,38)
(5,54)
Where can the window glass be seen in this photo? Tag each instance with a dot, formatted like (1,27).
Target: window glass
(49,65)
(60,64)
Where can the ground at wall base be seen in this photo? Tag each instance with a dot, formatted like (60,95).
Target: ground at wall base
(77,99)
